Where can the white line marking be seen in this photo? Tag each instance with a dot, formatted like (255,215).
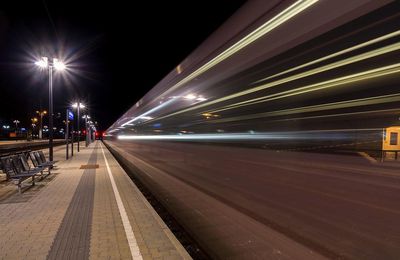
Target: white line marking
(133,246)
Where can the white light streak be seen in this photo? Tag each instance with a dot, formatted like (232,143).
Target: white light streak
(295,135)
(190,97)
(353,48)
(148,112)
(317,108)
(268,26)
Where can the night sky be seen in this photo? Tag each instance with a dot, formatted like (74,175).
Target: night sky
(117,51)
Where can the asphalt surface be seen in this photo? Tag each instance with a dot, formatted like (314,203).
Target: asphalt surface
(237,202)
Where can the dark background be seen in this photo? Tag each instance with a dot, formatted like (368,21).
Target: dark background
(116,51)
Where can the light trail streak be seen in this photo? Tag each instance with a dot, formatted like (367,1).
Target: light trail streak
(293,135)
(379,72)
(370,54)
(318,108)
(144,115)
(369,74)
(353,48)
(268,26)
(395,110)
(364,56)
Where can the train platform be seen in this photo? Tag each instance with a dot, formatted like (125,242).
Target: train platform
(19,142)
(88,208)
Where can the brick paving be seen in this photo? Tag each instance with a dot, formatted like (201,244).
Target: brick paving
(75,216)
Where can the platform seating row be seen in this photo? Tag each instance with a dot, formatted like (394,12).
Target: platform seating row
(23,165)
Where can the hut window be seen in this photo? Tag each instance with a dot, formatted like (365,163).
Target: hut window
(393,138)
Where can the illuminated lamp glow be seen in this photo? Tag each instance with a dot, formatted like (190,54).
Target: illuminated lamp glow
(42,63)
(58,65)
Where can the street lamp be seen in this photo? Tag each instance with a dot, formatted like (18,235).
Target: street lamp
(86,117)
(41,114)
(58,65)
(33,130)
(78,106)
(16,122)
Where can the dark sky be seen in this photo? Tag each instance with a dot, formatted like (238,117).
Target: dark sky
(118,50)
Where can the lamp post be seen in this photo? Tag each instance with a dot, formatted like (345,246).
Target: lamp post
(86,129)
(34,121)
(78,106)
(45,63)
(41,114)
(33,130)
(16,122)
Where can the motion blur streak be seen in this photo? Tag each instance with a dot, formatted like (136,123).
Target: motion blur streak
(295,135)
(360,57)
(369,112)
(277,20)
(279,137)
(356,47)
(149,112)
(337,64)
(322,107)
(395,68)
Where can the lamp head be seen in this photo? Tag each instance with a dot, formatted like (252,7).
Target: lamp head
(43,62)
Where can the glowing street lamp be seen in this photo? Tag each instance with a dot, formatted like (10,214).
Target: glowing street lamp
(78,106)
(33,130)
(58,65)
(16,122)
(86,117)
(41,114)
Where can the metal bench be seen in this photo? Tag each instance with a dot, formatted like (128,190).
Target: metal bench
(38,162)
(43,158)
(16,170)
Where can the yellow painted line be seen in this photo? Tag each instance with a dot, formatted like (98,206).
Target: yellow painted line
(368,157)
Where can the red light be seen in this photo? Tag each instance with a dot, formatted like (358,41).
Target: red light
(84,132)
(104,134)
(97,133)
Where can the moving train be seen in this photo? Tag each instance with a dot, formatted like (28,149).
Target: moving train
(253,142)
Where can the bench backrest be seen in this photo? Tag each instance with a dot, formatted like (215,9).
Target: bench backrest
(33,159)
(26,153)
(24,162)
(16,161)
(41,154)
(38,158)
(8,167)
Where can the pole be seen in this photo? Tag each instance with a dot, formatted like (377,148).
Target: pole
(79,134)
(72,140)
(16,131)
(51,113)
(86,128)
(41,125)
(66,134)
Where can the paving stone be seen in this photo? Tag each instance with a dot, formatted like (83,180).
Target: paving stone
(61,220)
